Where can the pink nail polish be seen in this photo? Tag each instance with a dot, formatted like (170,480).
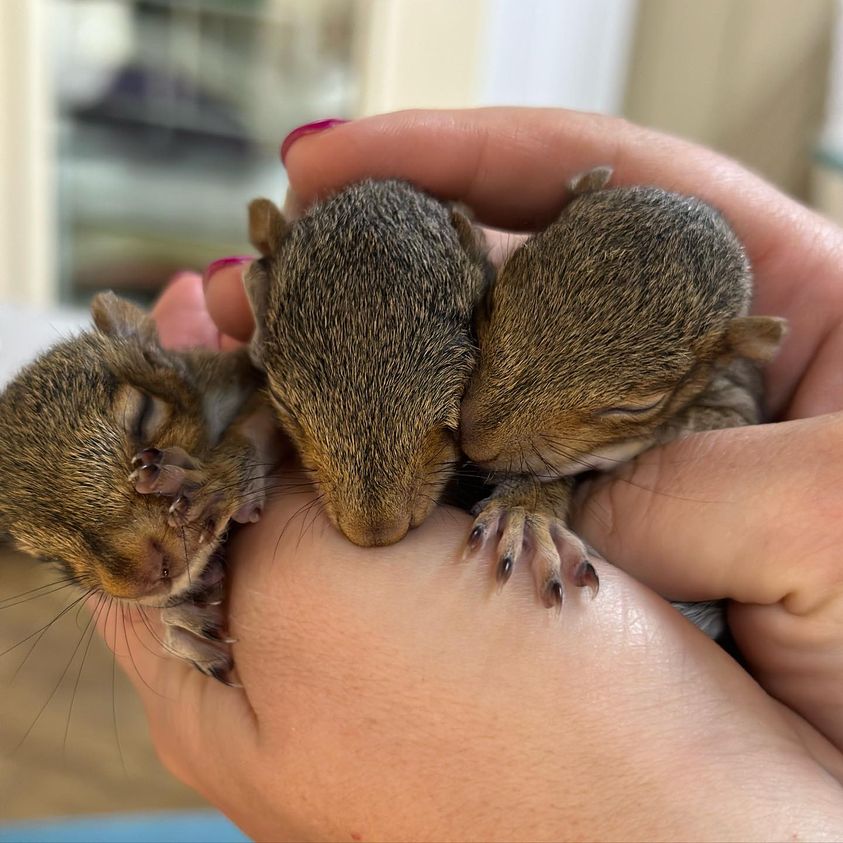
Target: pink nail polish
(218,264)
(308,129)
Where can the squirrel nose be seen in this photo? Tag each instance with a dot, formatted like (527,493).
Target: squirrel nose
(478,448)
(374,534)
(156,569)
(481,452)
(476,439)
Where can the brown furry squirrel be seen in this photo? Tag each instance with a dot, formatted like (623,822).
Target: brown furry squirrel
(124,463)
(621,326)
(363,309)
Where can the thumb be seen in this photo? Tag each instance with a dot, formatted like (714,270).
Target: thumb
(181,316)
(753,514)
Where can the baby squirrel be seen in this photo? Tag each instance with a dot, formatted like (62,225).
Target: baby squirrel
(123,463)
(363,309)
(621,326)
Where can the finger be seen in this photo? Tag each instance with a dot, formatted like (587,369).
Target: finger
(753,514)
(820,390)
(225,298)
(187,711)
(181,315)
(512,166)
(230,343)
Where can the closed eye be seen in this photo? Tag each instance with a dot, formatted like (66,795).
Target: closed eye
(142,415)
(150,420)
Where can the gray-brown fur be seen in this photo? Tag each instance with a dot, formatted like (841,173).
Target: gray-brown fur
(620,326)
(632,293)
(363,310)
(72,422)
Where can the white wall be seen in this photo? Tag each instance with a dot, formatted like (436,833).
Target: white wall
(27,197)
(463,53)
(570,53)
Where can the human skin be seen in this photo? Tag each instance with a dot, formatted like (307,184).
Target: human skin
(759,508)
(393,693)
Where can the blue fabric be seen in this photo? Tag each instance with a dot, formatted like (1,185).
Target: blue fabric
(170,827)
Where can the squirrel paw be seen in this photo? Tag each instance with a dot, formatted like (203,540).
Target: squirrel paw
(250,512)
(191,507)
(212,659)
(204,620)
(171,472)
(523,533)
(195,632)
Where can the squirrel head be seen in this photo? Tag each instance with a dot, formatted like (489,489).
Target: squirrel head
(363,310)
(70,424)
(602,327)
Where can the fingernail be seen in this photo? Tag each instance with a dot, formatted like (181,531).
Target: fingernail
(217,265)
(308,129)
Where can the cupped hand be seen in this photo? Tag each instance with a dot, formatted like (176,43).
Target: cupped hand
(752,514)
(391,693)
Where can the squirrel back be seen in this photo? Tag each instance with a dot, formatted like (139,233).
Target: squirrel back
(605,324)
(363,308)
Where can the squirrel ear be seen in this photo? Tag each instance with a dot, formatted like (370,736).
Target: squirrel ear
(256,282)
(267,226)
(591,180)
(117,317)
(474,243)
(469,236)
(755,337)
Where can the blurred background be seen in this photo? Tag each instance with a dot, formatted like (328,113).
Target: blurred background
(134,132)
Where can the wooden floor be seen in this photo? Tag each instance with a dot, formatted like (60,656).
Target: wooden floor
(58,761)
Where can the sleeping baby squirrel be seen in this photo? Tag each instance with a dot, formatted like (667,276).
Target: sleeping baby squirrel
(124,464)
(363,309)
(621,326)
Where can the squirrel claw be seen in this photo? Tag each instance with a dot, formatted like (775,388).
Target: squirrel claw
(539,537)
(504,571)
(222,675)
(553,594)
(585,576)
(178,512)
(148,457)
(476,538)
(484,526)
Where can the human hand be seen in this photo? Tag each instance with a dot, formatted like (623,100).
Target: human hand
(750,514)
(391,694)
